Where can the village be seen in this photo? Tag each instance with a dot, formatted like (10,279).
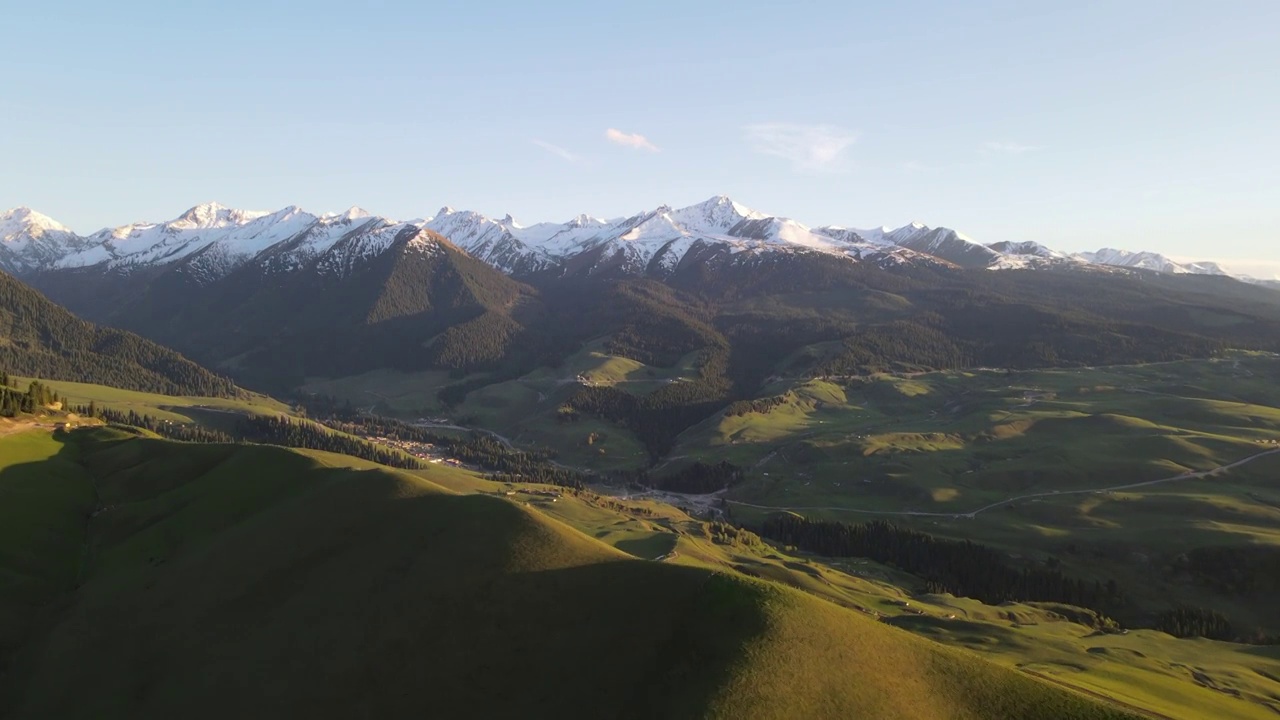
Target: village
(429,452)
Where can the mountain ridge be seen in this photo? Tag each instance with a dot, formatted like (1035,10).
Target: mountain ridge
(650,242)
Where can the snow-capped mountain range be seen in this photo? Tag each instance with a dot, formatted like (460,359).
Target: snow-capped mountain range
(210,240)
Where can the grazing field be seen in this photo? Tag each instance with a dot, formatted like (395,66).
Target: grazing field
(1111,473)
(958,441)
(1176,678)
(217,580)
(183,409)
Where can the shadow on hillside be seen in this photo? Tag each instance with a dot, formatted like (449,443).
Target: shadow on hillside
(1271,652)
(355,599)
(649,548)
(44,508)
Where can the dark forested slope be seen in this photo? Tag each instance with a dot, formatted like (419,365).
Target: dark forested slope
(41,339)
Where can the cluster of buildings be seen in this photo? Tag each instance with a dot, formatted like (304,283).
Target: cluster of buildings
(422,450)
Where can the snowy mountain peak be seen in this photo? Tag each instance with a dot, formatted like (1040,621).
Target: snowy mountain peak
(23,219)
(210,239)
(718,214)
(30,240)
(212,215)
(203,214)
(352,213)
(285,213)
(1026,248)
(1149,261)
(585,220)
(723,204)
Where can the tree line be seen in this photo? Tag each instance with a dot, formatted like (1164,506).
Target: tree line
(476,448)
(1189,621)
(759,405)
(186,432)
(698,478)
(266,430)
(503,463)
(14,401)
(285,431)
(960,567)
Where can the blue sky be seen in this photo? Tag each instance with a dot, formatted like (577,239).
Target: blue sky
(1135,124)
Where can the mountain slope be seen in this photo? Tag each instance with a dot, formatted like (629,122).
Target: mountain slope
(41,339)
(378,297)
(229,580)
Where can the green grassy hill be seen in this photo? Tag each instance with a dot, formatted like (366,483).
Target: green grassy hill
(961,448)
(215,412)
(175,580)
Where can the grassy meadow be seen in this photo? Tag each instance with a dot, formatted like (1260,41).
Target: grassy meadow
(180,409)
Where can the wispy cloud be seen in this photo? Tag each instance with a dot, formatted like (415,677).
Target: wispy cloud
(1008,146)
(810,148)
(558,151)
(632,140)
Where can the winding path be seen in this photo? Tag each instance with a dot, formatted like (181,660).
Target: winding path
(1052,493)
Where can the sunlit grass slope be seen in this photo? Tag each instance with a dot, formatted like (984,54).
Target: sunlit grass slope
(240,581)
(183,409)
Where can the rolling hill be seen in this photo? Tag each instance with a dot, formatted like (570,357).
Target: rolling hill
(214,580)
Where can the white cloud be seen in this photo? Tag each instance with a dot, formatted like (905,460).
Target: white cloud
(812,148)
(1008,146)
(633,140)
(558,151)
